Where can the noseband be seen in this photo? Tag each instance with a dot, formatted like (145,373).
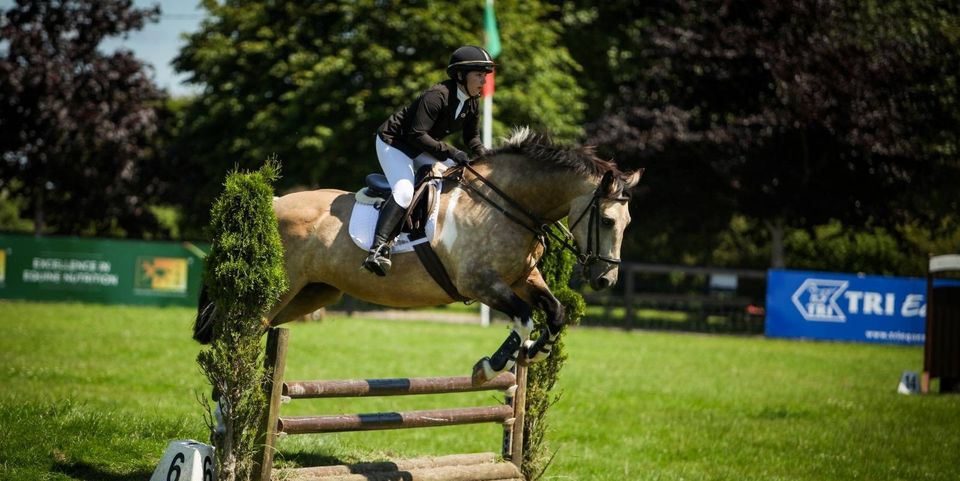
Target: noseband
(540,229)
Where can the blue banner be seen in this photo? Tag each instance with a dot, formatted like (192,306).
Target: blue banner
(831,306)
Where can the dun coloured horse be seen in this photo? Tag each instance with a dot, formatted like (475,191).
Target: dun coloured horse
(490,233)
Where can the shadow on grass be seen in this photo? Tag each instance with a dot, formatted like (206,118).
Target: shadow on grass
(302,459)
(87,472)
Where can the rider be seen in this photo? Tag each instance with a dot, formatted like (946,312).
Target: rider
(411,137)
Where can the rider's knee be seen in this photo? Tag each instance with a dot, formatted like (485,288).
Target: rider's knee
(403,193)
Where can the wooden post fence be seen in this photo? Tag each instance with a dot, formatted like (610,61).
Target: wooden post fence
(458,467)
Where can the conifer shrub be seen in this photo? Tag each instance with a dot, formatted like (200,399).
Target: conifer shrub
(244,276)
(556,266)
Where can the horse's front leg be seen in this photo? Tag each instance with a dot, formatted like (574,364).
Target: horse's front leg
(534,290)
(500,297)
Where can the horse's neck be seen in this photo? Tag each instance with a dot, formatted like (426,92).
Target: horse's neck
(545,195)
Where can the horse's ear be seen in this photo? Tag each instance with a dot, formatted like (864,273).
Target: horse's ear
(632,179)
(606,183)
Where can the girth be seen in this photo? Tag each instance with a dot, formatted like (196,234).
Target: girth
(428,257)
(415,224)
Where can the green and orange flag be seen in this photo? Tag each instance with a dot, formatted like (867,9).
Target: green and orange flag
(491,42)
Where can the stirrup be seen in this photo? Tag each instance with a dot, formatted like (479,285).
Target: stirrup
(378,262)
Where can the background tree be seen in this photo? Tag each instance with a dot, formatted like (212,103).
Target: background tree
(608,40)
(793,113)
(312,81)
(75,123)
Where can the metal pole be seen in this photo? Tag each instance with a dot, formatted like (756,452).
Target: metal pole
(488,121)
(487,143)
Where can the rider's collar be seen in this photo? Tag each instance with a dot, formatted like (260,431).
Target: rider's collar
(462,97)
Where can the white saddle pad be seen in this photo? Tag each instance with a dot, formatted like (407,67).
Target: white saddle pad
(363,223)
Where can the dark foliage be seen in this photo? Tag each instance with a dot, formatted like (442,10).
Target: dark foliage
(76,123)
(792,112)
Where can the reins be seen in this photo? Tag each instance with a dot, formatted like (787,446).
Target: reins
(537,226)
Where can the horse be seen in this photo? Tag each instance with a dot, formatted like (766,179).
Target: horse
(491,230)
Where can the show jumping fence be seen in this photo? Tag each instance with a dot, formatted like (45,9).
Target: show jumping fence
(457,467)
(682,298)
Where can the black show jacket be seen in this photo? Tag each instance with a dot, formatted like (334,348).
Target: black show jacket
(422,125)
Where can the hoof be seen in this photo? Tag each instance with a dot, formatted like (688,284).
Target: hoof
(482,372)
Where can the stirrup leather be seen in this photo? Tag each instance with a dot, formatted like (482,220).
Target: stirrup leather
(388,226)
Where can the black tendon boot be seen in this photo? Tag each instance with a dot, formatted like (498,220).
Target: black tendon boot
(388,225)
(505,357)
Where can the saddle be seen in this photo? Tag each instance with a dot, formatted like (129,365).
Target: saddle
(424,195)
(415,221)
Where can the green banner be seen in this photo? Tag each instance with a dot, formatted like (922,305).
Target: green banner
(99,270)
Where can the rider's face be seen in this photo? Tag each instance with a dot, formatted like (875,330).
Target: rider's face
(475,81)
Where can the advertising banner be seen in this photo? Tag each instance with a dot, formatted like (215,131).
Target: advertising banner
(846,307)
(98,270)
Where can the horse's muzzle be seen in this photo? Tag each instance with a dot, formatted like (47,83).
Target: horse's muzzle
(600,283)
(600,276)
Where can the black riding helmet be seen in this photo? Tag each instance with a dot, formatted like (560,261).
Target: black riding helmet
(467,59)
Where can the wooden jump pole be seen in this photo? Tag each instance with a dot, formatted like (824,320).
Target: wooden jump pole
(476,467)
(399,420)
(392,387)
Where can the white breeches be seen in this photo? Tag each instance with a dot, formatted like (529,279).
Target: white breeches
(400,170)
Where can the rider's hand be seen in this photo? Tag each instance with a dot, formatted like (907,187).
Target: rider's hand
(461,158)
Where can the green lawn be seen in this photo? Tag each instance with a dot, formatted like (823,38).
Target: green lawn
(96,393)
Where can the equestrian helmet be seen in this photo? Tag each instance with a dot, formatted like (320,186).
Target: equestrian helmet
(469,58)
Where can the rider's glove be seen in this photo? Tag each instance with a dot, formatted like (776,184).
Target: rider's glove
(461,158)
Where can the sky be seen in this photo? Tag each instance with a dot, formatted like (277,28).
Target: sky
(158,43)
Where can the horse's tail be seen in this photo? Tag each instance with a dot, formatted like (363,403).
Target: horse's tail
(203,324)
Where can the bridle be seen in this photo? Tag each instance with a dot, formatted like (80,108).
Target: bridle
(541,229)
(593,229)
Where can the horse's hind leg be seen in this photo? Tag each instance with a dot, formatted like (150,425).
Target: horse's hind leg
(311,297)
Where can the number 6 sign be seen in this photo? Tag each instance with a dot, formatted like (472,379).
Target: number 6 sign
(185,461)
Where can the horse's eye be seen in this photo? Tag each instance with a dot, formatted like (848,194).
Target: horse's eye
(608,222)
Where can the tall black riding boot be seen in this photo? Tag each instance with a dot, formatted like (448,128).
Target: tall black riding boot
(388,226)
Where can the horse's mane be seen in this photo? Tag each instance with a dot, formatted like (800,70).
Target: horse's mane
(549,154)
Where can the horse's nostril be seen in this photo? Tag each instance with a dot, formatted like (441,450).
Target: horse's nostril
(603,283)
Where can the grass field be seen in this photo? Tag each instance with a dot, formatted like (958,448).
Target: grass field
(96,393)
